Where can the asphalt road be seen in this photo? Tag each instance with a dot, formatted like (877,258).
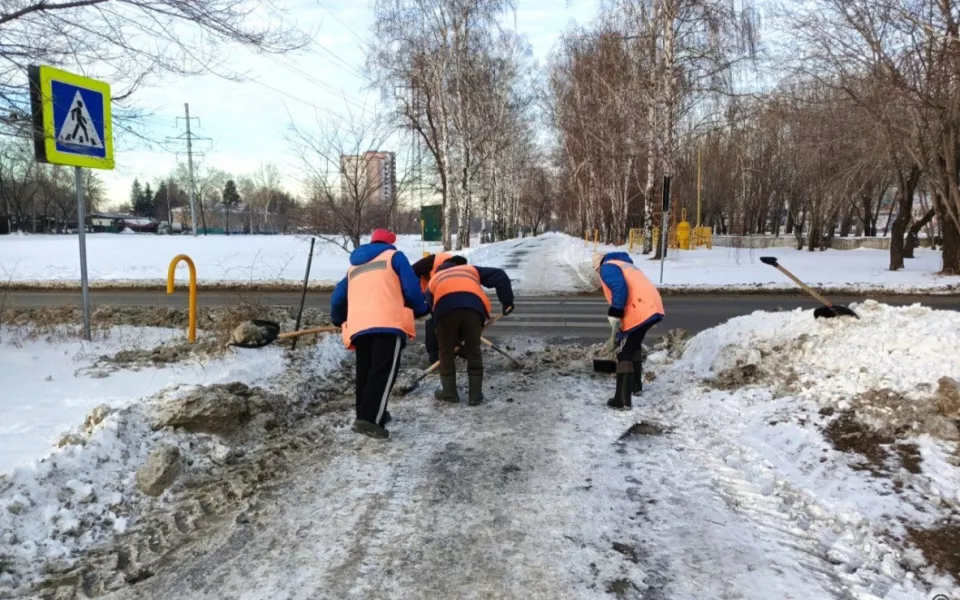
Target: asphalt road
(555,317)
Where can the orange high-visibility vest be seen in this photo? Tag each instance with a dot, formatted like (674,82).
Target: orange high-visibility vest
(643,299)
(438,259)
(464,278)
(375,300)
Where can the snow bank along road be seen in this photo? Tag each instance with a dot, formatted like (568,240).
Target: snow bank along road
(772,457)
(572,317)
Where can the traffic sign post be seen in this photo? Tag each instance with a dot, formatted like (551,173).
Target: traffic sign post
(72,126)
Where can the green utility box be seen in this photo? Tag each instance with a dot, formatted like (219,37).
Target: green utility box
(431,220)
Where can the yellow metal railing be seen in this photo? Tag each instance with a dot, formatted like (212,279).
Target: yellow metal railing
(192,331)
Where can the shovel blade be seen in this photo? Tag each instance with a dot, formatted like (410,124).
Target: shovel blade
(830,312)
(255,334)
(604,365)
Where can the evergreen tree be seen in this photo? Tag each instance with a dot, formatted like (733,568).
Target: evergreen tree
(148,201)
(231,199)
(136,195)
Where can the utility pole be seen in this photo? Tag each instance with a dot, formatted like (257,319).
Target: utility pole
(193,185)
(189,137)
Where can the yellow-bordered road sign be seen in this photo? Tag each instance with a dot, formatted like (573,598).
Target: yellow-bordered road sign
(71,119)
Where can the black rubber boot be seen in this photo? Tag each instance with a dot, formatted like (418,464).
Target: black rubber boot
(476,388)
(448,389)
(637,373)
(370,430)
(386,418)
(622,397)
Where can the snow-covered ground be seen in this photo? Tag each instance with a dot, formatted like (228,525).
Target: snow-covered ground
(131,260)
(76,423)
(774,456)
(50,383)
(557,263)
(548,264)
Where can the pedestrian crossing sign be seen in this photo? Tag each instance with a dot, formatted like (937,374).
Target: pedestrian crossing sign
(71,118)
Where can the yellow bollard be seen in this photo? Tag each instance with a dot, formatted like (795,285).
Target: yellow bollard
(596,239)
(683,231)
(586,238)
(192,331)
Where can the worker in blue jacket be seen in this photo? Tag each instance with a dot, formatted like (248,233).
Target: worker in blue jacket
(635,307)
(376,305)
(461,309)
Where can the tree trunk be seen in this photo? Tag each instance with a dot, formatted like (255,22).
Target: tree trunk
(790,223)
(846,224)
(896,238)
(886,226)
(951,247)
(913,234)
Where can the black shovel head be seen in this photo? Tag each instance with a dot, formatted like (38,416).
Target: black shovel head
(829,312)
(255,334)
(604,365)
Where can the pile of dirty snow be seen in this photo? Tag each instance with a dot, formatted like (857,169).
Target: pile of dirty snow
(904,354)
(94,487)
(842,431)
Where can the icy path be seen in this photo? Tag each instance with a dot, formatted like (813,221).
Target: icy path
(532,495)
(547,264)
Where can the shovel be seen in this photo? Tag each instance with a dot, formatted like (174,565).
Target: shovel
(406,388)
(828,310)
(259,333)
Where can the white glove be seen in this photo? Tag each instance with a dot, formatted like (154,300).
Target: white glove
(615,324)
(611,344)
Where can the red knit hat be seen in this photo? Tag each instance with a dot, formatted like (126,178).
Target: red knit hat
(383,235)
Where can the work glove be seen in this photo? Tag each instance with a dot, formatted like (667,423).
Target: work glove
(615,324)
(507,309)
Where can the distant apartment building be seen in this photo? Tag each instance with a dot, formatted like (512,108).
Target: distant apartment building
(373,174)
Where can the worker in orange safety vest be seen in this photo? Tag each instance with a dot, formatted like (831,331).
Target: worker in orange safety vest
(461,308)
(376,305)
(425,269)
(635,307)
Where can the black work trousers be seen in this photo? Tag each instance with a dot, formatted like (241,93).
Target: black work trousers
(430,341)
(378,361)
(461,326)
(630,344)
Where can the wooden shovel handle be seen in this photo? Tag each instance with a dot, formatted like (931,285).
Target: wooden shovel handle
(293,334)
(804,286)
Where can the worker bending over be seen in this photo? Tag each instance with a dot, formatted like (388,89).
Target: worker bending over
(635,307)
(425,269)
(461,309)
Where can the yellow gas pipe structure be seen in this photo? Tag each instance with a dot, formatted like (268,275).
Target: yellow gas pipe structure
(192,331)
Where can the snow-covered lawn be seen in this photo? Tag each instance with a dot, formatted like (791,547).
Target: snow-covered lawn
(548,264)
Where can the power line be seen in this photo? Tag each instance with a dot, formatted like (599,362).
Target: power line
(325,7)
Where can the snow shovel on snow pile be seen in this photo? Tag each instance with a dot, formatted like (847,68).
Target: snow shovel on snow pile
(259,333)
(828,310)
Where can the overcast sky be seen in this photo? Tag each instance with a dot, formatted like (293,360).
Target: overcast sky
(248,122)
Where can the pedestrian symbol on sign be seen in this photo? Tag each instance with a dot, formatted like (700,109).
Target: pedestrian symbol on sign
(77,128)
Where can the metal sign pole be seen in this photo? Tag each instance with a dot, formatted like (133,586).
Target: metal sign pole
(664,223)
(81,226)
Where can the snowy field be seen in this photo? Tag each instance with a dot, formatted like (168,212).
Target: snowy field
(774,456)
(549,264)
